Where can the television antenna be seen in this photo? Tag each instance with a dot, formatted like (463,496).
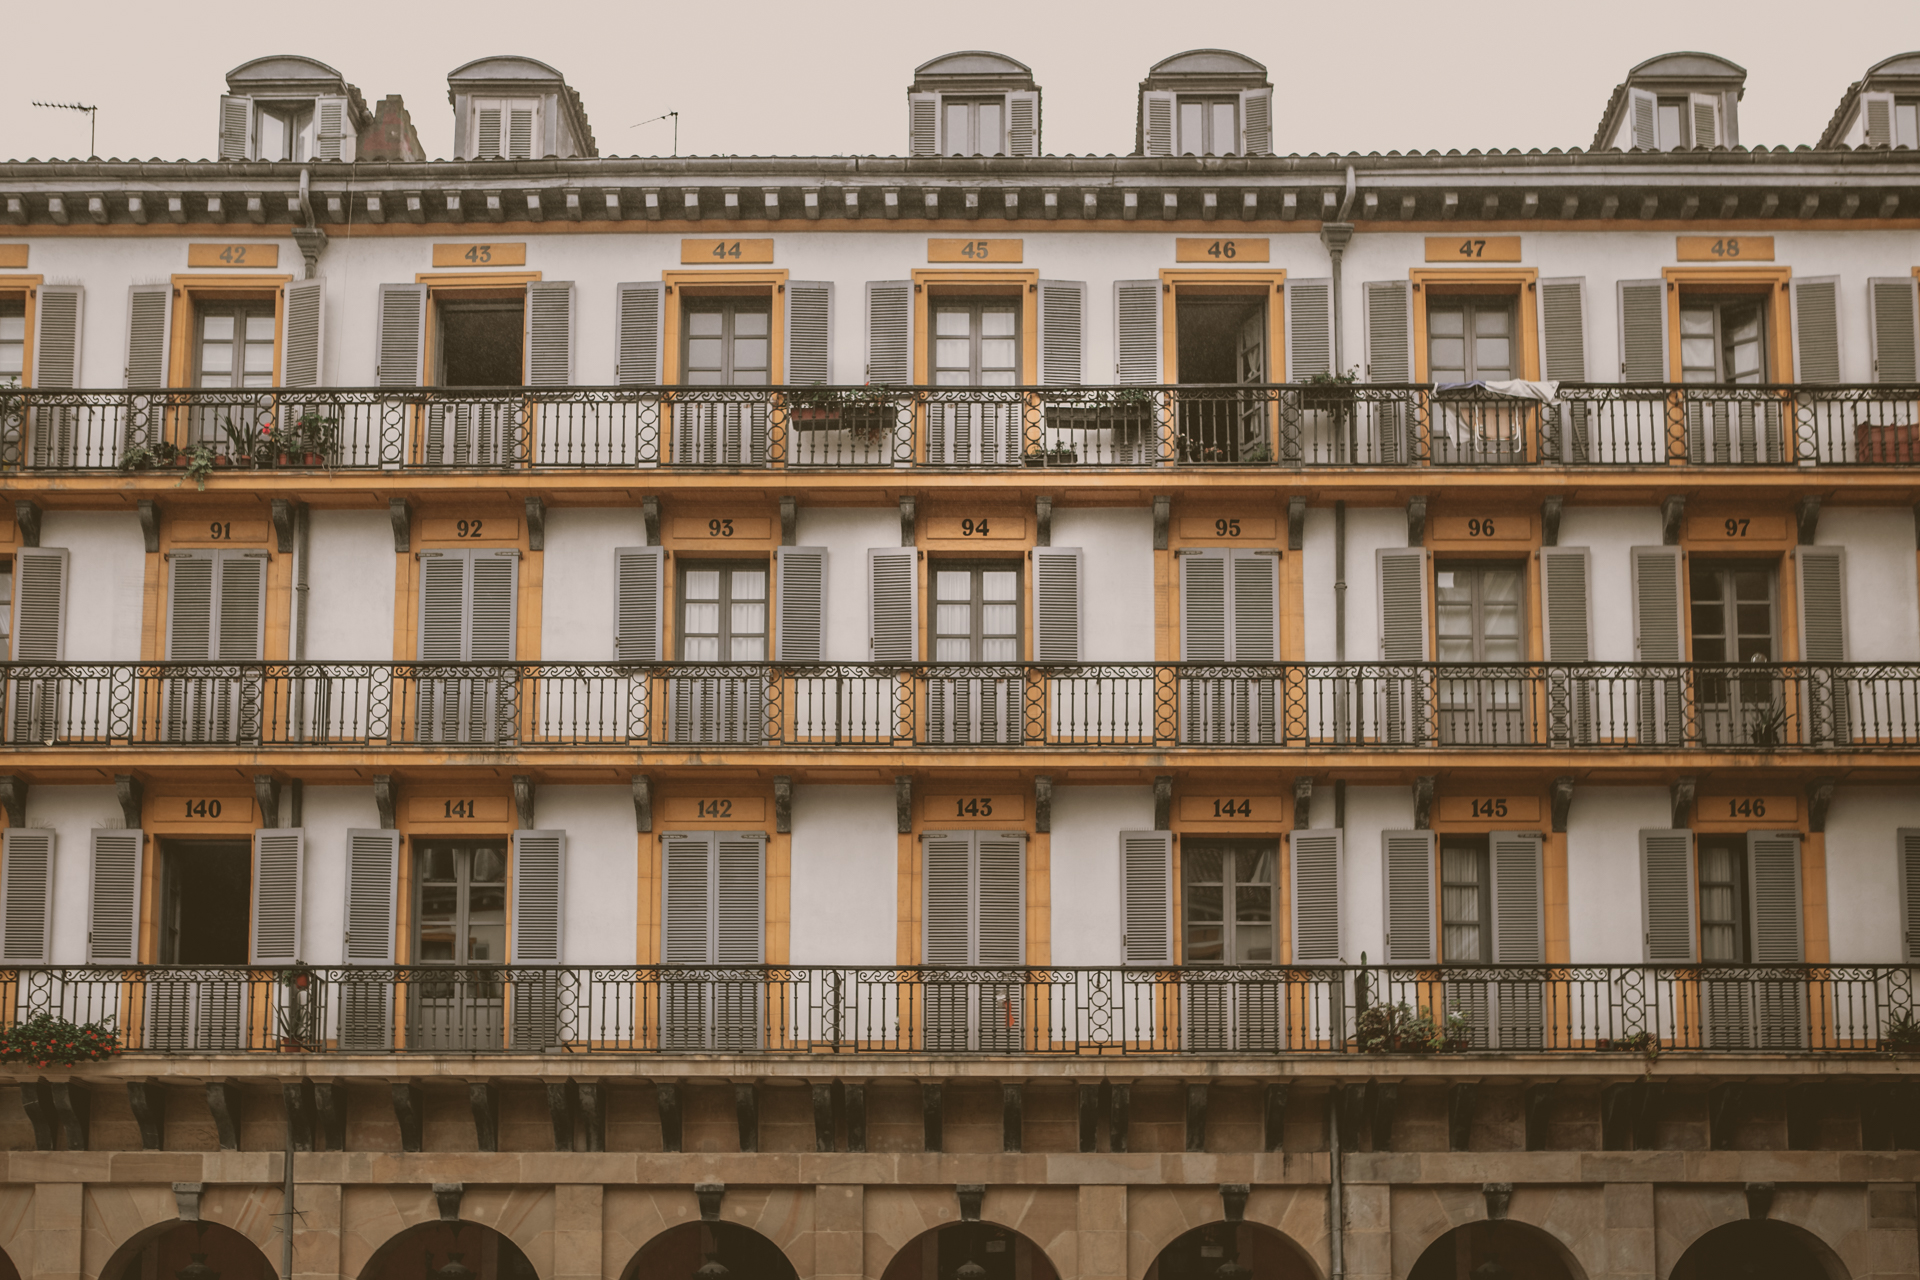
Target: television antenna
(668,115)
(93,121)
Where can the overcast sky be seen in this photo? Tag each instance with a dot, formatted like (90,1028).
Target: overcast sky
(776,77)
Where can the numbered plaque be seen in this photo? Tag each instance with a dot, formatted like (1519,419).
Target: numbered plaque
(722,528)
(1269,811)
(1493,526)
(974,807)
(1749,809)
(1491,806)
(984,527)
(239,533)
(697,809)
(1735,248)
(229,255)
(479,527)
(725,253)
(1734,529)
(1473,249)
(975,251)
(1217,251)
(13,255)
(201,809)
(480,255)
(1229,528)
(458,807)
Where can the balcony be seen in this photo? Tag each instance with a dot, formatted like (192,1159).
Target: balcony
(1622,1010)
(694,429)
(1613,708)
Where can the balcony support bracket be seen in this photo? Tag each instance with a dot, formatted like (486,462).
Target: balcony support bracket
(523,800)
(74,1105)
(26,516)
(710,1195)
(931,1130)
(223,1100)
(746,1111)
(536,523)
(1012,1110)
(1042,804)
(650,517)
(1819,797)
(1296,523)
(147,1099)
(1302,803)
(1672,510)
(1680,801)
(1119,1097)
(149,524)
(408,1109)
(1423,802)
(37,1100)
(330,1111)
(1163,802)
(1385,1102)
(855,1096)
(642,803)
(266,794)
(1163,515)
(906,520)
(1417,520)
(1233,1201)
(398,512)
(970,1195)
(1806,517)
(1723,1105)
(1196,1117)
(283,509)
(1550,521)
(1089,1117)
(383,799)
(1460,1105)
(186,1200)
(782,804)
(13,798)
(1499,1199)
(299,1102)
(1759,1200)
(1274,1117)
(448,1196)
(668,1095)
(1562,800)
(593,1114)
(128,791)
(903,804)
(563,1106)
(789,514)
(1539,1111)
(822,1115)
(1043,521)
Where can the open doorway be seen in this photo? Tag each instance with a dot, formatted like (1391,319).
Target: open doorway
(1222,341)
(204,896)
(481,344)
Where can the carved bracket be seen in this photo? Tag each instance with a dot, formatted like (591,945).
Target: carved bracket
(483,1096)
(298,1096)
(523,800)
(782,804)
(1819,797)
(266,794)
(971,1194)
(26,515)
(383,799)
(1012,1114)
(1671,512)
(536,523)
(1296,523)
(74,1105)
(1538,1105)
(906,520)
(1302,803)
(1043,521)
(448,1195)
(1163,802)
(789,515)
(711,1194)
(650,517)
(1460,1106)
(1759,1200)
(903,805)
(1384,1104)
(1423,803)
(667,1095)
(1163,515)
(1550,521)
(642,803)
(186,1200)
(147,1099)
(1042,803)
(402,518)
(933,1134)
(1197,1101)
(127,789)
(223,1100)
(1274,1116)
(13,798)
(1806,516)
(1417,520)
(1233,1200)
(408,1113)
(149,524)
(1680,801)
(746,1114)
(1499,1199)
(1562,798)
(283,512)
(563,1109)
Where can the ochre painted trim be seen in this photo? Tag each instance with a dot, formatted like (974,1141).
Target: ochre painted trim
(957,281)
(189,291)
(1522,282)
(770,281)
(1707,279)
(186,530)
(1199,281)
(29,288)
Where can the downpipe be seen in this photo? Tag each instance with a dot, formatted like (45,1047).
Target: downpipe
(1336,1209)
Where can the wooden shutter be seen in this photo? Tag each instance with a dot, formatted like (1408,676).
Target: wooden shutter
(1255,606)
(1146,897)
(1204,633)
(686,912)
(1063,332)
(1402,572)
(1136,346)
(923,124)
(637,315)
(639,595)
(332,138)
(1256,122)
(1667,921)
(115,873)
(1643,120)
(373,881)
(1389,331)
(1657,606)
(890,332)
(1309,306)
(520,133)
(1907,847)
(1773,883)
(241,606)
(397,343)
(1001,898)
(946,877)
(549,333)
(1816,329)
(1821,572)
(739,906)
(1894,328)
(1056,604)
(148,310)
(1567,604)
(493,616)
(26,895)
(236,127)
(40,604)
(893,604)
(443,606)
(191,586)
(1876,119)
(1704,112)
(539,891)
(1519,898)
(1643,330)
(800,617)
(304,334)
(809,333)
(1156,111)
(1315,861)
(279,859)
(1409,876)
(486,132)
(1023,123)
(1563,329)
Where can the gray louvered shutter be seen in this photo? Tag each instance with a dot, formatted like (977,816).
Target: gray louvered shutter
(890,332)
(947,887)
(1256,606)
(495,611)
(539,892)
(1566,623)
(923,124)
(520,133)
(305,333)
(1404,631)
(1389,331)
(1256,122)
(1563,329)
(1822,574)
(1001,928)
(39,636)
(801,617)
(893,604)
(1023,123)
(1658,618)
(26,896)
(397,341)
(637,328)
(1518,1006)
(279,859)
(1056,604)
(1876,119)
(1774,888)
(1136,343)
(1643,120)
(191,591)
(373,884)
(236,128)
(1907,851)
(549,333)
(1315,861)
(148,308)
(1204,633)
(1146,897)
(333,136)
(114,874)
(686,911)
(56,367)
(1643,330)
(639,595)
(1063,332)
(1409,875)
(1704,110)
(241,606)
(1309,328)
(1156,110)
(809,333)
(1667,921)
(443,606)
(1816,329)
(486,133)
(1895,328)
(739,936)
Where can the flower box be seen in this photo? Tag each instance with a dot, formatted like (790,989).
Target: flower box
(1887,442)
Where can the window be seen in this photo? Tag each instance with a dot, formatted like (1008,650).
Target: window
(460,919)
(6,608)
(284,132)
(1470,340)
(504,128)
(482,344)
(1220,341)
(1732,610)
(236,345)
(204,902)
(1478,617)
(723,611)
(973,126)
(1723,340)
(1209,126)
(1228,887)
(1466,901)
(727,343)
(976,613)
(976,344)
(13,339)
(1906,122)
(1723,899)
(1673,123)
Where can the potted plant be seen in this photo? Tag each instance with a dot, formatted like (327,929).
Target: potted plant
(1902,1035)
(313,437)
(1767,725)
(45,1040)
(1329,392)
(144,457)
(1058,456)
(200,461)
(1886,441)
(1399,1028)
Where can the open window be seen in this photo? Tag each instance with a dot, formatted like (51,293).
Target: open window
(1221,341)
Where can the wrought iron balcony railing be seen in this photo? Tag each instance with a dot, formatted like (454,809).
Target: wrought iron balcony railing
(1624,707)
(1277,426)
(1033,1010)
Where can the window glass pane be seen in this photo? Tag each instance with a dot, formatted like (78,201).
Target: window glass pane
(1670,117)
(703,618)
(751,324)
(273,136)
(489,864)
(998,353)
(951,322)
(704,353)
(953,584)
(958,140)
(216,357)
(1446,322)
(1906,124)
(703,584)
(748,618)
(953,354)
(704,324)
(217,326)
(996,323)
(1192,128)
(998,619)
(749,354)
(999,584)
(953,620)
(987,137)
(259,326)
(259,357)
(1223,141)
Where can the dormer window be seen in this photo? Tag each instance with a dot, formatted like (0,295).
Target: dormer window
(289,109)
(1209,126)
(283,131)
(973,104)
(973,127)
(1205,102)
(505,128)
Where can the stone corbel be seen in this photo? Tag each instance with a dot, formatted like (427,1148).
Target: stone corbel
(312,241)
(746,1114)
(523,800)
(1302,803)
(223,1100)
(906,519)
(408,1113)
(26,516)
(1423,803)
(1296,523)
(13,798)
(536,523)
(149,524)
(402,518)
(1819,796)
(782,804)
(903,805)
(1163,515)
(1672,511)
(1043,521)
(1562,799)
(970,1194)
(383,799)
(1550,521)
(1163,802)
(147,1099)
(186,1200)
(128,791)
(1759,1200)
(447,1195)
(1806,517)
(789,514)
(710,1193)
(266,794)
(1680,801)
(283,513)
(650,517)
(1499,1199)
(1233,1200)
(1417,520)
(642,803)
(1042,804)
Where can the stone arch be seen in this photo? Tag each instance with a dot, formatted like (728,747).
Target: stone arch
(1048,1216)
(114,1216)
(1157,1216)
(8,1271)
(484,1252)
(635,1216)
(176,1246)
(1263,1252)
(680,1251)
(1422,1215)
(1516,1248)
(1786,1249)
(371,1218)
(1001,1251)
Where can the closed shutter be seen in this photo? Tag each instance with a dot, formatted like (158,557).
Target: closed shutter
(147,313)
(373,880)
(242,606)
(639,587)
(809,333)
(236,128)
(1402,572)
(1136,347)
(893,604)
(306,311)
(637,314)
(947,876)
(549,333)
(1774,886)
(1518,1006)
(801,615)
(1256,606)
(1658,616)
(1907,850)
(1315,860)
(520,133)
(491,629)
(1203,607)
(1822,575)
(1667,921)
(333,140)
(486,133)
(1056,604)
(1256,122)
(1146,897)
(1643,330)
(26,896)
(114,877)
(55,430)
(1876,119)
(1156,110)
(39,637)
(1023,123)
(890,332)
(539,891)
(403,318)
(1704,110)
(216,606)
(1643,120)
(739,911)
(1063,332)
(1895,329)
(1563,329)
(1309,328)
(1566,618)
(1002,899)
(1816,329)
(1389,331)
(279,859)
(1409,874)
(443,606)
(923,124)
(468,606)
(686,929)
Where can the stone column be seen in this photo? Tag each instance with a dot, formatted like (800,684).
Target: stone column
(316,1231)
(1102,1227)
(839,1232)
(1629,1231)
(576,1231)
(1890,1229)
(56,1230)
(1369,1207)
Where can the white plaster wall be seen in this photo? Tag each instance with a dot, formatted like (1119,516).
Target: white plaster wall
(1085,857)
(1368,530)
(72,814)
(1883,594)
(1116,593)
(1610,534)
(1603,870)
(601,911)
(1363,904)
(1863,870)
(846,875)
(350,585)
(327,814)
(577,602)
(846,533)
(106,581)
(1316,585)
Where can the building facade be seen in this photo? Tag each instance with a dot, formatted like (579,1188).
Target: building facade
(970,714)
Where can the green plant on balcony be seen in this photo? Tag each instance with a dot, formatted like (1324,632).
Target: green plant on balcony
(200,461)
(47,1040)
(1329,392)
(1059,455)
(310,438)
(867,413)
(249,446)
(1400,1028)
(1644,1043)
(150,457)
(1767,725)
(1902,1035)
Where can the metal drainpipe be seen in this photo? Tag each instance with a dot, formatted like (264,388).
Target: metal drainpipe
(301,557)
(1336,1210)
